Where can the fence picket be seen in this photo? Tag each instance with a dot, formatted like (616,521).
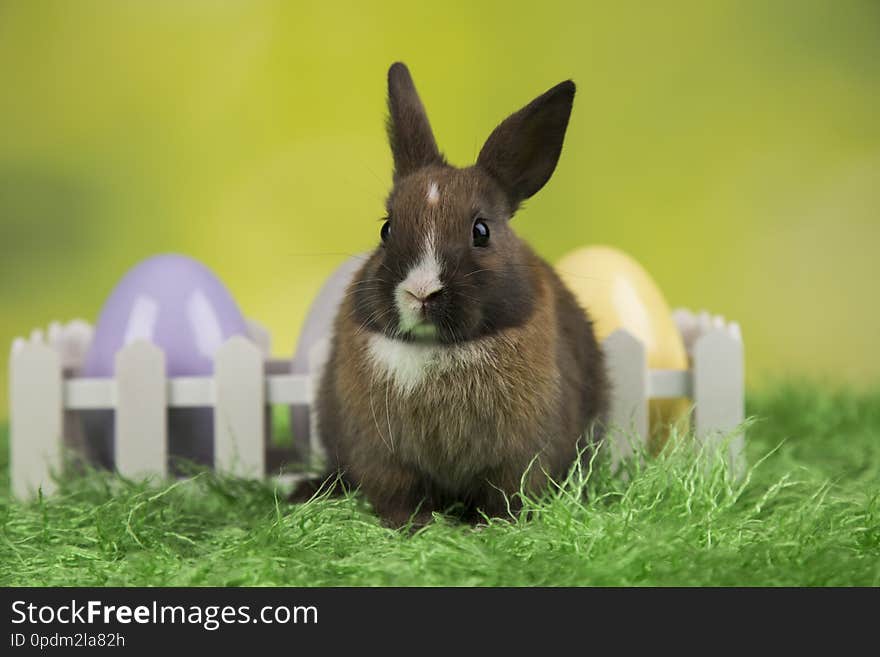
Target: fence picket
(141,441)
(36,419)
(239,409)
(627,366)
(719,378)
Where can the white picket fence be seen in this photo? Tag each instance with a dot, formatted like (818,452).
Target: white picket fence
(714,382)
(46,395)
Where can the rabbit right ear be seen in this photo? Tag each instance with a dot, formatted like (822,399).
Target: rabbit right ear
(409,133)
(522,152)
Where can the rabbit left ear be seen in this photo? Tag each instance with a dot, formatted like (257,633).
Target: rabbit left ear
(409,132)
(522,152)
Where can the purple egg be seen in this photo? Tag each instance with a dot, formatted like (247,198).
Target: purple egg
(174,302)
(179,305)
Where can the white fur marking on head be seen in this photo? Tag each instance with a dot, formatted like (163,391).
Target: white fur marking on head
(422,280)
(433,193)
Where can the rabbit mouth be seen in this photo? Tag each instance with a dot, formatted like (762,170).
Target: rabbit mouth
(424,332)
(414,321)
(434,318)
(416,309)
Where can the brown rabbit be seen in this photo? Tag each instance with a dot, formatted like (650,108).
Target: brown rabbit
(460,365)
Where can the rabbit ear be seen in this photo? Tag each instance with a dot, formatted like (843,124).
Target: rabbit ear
(522,152)
(412,142)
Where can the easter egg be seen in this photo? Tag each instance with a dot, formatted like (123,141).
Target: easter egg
(617,292)
(317,326)
(322,311)
(179,305)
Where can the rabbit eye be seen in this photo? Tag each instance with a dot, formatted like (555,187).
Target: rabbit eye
(481,233)
(385,231)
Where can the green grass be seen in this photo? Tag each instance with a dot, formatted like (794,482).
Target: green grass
(809,514)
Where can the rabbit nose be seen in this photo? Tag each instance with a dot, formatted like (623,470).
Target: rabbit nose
(424,296)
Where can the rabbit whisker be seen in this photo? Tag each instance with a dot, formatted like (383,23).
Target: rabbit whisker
(373,408)
(478,271)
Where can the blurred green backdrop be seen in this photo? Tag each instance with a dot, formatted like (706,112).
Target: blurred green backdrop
(732,147)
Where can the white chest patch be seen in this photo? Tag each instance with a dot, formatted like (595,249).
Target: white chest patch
(410,364)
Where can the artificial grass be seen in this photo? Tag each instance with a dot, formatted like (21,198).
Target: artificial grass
(808,514)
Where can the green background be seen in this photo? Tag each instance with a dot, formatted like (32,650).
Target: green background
(732,147)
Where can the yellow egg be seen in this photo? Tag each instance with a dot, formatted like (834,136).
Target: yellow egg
(617,292)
